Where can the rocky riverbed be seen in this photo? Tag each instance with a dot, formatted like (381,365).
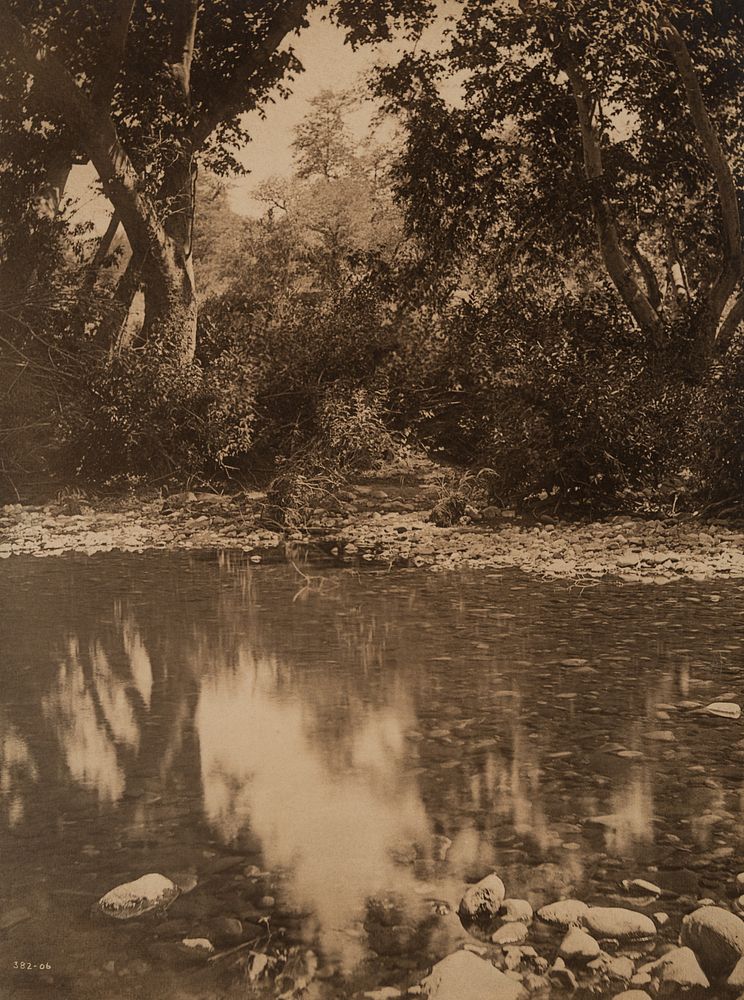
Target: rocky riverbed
(496,947)
(385,522)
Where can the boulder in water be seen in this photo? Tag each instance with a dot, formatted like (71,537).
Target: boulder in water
(482,901)
(619,923)
(676,972)
(517,910)
(716,936)
(564,913)
(578,947)
(132,899)
(463,974)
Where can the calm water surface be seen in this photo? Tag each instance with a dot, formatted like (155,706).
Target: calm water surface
(181,713)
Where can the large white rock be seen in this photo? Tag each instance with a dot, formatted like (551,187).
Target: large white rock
(735,981)
(578,947)
(716,936)
(617,922)
(632,995)
(464,976)
(676,972)
(513,932)
(564,913)
(516,910)
(132,899)
(482,901)
(724,709)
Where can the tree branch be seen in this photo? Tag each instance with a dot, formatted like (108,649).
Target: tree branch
(290,18)
(112,55)
(649,276)
(184,14)
(732,269)
(615,261)
(731,324)
(97,134)
(102,250)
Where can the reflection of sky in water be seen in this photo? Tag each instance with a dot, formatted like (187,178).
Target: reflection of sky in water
(340,730)
(335,828)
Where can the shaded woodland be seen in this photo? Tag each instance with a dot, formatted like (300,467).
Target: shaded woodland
(531,265)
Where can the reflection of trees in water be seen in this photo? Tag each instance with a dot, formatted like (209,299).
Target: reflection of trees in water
(18,772)
(345,678)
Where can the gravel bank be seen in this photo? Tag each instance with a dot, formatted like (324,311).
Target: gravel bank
(385,526)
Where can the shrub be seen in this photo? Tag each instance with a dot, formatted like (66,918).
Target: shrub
(143,415)
(555,397)
(352,427)
(716,438)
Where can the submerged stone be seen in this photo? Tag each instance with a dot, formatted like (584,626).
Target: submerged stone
(723,709)
(642,886)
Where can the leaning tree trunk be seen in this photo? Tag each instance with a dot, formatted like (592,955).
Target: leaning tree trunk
(170,293)
(171,309)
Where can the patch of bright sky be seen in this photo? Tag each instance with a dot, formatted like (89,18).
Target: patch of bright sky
(329,64)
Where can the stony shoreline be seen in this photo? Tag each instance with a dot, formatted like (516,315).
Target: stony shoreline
(387,526)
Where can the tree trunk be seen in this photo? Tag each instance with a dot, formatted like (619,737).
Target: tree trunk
(171,310)
(731,323)
(111,331)
(617,265)
(732,265)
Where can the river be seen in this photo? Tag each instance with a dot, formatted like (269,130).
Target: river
(333,754)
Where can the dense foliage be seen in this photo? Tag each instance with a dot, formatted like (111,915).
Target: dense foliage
(536,268)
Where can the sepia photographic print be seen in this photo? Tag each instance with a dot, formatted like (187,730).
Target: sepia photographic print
(371,500)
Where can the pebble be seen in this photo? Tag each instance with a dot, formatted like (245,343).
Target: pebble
(198,944)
